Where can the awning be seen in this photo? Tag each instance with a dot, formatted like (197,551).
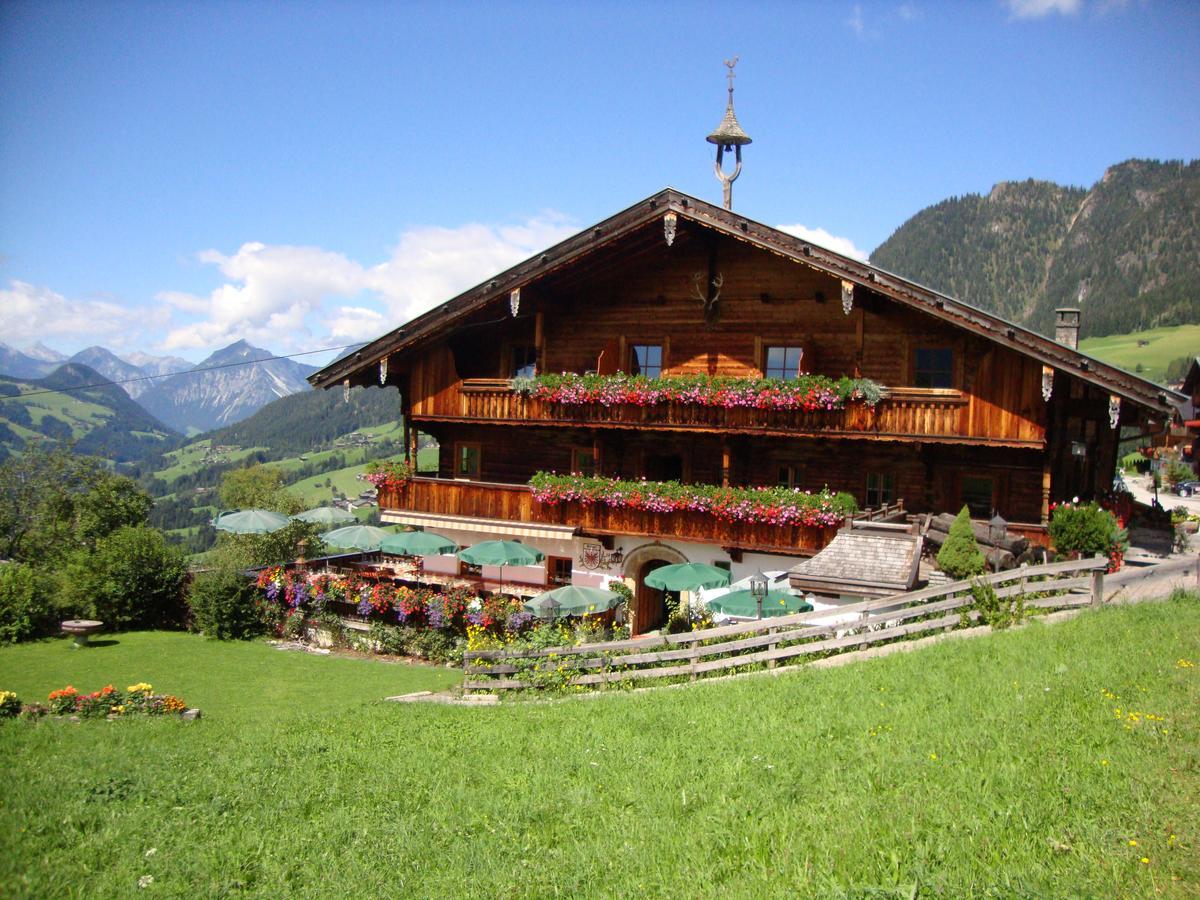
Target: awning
(438,522)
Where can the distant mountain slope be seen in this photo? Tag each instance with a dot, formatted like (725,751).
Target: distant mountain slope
(16,364)
(300,422)
(102,421)
(157,365)
(113,368)
(229,391)
(1127,251)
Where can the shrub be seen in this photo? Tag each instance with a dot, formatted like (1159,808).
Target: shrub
(997,611)
(960,556)
(224,605)
(1177,472)
(1088,530)
(134,578)
(25,608)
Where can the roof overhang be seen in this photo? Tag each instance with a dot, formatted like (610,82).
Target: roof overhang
(441,319)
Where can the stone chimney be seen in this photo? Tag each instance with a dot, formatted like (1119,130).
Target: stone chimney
(1066,326)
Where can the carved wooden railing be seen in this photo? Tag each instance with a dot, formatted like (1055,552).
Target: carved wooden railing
(515,503)
(904,412)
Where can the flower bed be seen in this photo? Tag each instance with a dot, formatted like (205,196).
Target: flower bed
(107,703)
(765,505)
(291,593)
(808,392)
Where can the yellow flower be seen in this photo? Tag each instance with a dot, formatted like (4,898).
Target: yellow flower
(1133,843)
(1145,860)
(933,756)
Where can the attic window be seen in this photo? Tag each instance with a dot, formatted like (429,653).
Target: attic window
(783,362)
(646,359)
(934,367)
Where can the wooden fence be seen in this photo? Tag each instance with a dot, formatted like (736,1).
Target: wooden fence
(1060,585)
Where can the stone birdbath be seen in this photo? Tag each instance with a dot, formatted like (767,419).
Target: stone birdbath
(81,630)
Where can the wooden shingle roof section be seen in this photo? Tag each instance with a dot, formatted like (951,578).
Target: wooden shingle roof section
(634,230)
(867,559)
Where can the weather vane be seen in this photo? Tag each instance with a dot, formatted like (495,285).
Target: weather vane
(729,136)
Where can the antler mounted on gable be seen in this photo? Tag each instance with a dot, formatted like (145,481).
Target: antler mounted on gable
(709,294)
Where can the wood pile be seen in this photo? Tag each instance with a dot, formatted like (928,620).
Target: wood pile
(1007,553)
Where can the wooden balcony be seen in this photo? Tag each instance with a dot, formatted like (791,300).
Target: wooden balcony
(904,414)
(515,503)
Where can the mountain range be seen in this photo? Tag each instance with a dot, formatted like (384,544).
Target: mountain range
(1126,251)
(230,385)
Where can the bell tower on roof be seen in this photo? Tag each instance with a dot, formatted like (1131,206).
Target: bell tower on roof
(729,136)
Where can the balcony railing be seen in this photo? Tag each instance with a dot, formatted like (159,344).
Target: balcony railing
(515,503)
(904,412)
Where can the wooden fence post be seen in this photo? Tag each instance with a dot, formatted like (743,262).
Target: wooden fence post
(466,677)
(695,659)
(1098,584)
(772,647)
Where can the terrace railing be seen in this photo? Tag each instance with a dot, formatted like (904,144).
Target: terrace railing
(903,412)
(515,503)
(712,651)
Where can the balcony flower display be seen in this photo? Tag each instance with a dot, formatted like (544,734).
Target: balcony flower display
(388,474)
(808,392)
(763,505)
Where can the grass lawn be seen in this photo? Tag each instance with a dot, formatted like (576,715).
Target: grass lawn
(993,766)
(1163,345)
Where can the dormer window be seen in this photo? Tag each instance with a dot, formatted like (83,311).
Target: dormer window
(646,359)
(783,363)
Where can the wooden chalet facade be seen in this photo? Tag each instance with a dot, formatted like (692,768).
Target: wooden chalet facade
(674,285)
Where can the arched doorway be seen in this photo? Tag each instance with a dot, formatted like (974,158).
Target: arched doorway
(649,609)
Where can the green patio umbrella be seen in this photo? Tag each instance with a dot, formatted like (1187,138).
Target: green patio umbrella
(355,537)
(325,515)
(744,605)
(572,600)
(687,577)
(250,521)
(501,553)
(417,543)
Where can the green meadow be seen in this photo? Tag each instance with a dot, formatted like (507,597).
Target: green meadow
(1153,350)
(1049,760)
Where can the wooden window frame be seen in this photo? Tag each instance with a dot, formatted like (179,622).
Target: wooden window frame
(662,358)
(954,360)
(459,446)
(766,355)
(556,579)
(885,491)
(993,500)
(588,452)
(794,474)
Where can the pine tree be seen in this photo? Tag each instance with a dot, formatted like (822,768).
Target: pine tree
(960,557)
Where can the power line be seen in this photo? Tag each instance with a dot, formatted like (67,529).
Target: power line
(248,362)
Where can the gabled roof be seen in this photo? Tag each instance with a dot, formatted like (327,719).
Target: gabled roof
(722,221)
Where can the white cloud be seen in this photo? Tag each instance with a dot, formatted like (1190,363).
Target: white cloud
(823,238)
(908,12)
(1039,9)
(30,312)
(856,22)
(279,294)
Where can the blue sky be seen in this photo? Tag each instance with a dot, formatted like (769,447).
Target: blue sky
(174,176)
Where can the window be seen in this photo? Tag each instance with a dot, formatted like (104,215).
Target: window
(558,569)
(934,367)
(524,362)
(977,494)
(646,359)
(583,461)
(783,362)
(881,488)
(788,477)
(467,459)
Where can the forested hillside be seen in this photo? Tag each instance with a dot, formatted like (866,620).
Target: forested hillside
(1127,251)
(101,421)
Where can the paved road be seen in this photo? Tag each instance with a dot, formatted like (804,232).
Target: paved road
(1145,582)
(1143,491)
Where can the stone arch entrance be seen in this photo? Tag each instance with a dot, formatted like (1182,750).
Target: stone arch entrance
(648,610)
